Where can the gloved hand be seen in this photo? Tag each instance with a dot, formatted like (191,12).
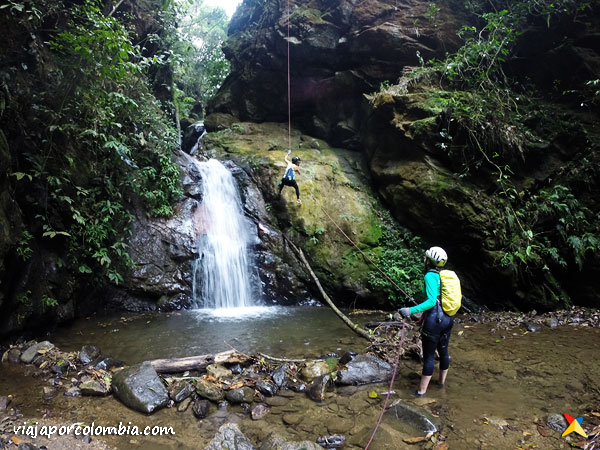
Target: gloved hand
(289,152)
(404,311)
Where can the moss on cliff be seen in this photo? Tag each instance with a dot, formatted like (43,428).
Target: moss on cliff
(332,182)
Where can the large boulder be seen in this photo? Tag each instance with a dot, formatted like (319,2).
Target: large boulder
(229,437)
(410,418)
(363,369)
(332,181)
(140,388)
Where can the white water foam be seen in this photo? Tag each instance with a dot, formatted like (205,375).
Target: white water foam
(221,272)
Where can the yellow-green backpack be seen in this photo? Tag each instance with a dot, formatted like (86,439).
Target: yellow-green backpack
(451,293)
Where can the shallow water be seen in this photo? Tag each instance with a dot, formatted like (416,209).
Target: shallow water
(291,331)
(500,385)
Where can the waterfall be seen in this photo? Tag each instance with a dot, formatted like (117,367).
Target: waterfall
(221,271)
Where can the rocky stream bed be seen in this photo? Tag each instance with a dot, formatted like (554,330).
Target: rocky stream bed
(512,378)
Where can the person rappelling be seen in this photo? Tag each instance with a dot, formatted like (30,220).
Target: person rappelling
(293,165)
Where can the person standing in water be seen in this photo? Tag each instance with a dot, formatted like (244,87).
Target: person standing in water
(293,165)
(437,325)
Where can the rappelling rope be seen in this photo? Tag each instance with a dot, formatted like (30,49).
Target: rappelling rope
(288,80)
(365,255)
(400,345)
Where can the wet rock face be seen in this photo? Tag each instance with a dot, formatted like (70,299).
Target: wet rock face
(163,251)
(338,51)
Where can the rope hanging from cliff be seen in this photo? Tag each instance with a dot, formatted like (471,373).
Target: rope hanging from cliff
(288,80)
(290,148)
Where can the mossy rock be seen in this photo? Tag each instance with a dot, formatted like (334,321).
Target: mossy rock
(334,191)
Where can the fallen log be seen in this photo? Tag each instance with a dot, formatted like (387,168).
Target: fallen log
(173,365)
(354,327)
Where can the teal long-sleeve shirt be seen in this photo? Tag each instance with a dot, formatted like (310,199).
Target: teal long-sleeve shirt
(432,291)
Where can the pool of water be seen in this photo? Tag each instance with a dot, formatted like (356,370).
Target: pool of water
(296,332)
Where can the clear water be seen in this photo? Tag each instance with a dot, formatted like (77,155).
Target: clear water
(275,330)
(222,271)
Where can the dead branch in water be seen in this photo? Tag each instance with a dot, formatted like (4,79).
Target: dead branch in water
(354,327)
(272,358)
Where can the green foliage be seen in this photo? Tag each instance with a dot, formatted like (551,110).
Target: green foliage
(401,259)
(201,66)
(487,128)
(432,14)
(102,139)
(23,248)
(49,301)
(551,227)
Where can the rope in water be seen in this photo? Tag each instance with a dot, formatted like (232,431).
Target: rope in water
(389,392)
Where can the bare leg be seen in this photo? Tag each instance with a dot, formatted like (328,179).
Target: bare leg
(423,384)
(443,374)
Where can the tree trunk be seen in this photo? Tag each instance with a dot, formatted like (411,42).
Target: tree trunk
(172,365)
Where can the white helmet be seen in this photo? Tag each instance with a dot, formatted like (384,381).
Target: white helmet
(437,256)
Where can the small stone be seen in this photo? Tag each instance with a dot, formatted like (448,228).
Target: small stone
(551,322)
(28,355)
(180,390)
(533,327)
(26,446)
(240,395)
(276,401)
(48,392)
(208,390)
(88,353)
(183,406)
(89,386)
(266,388)
(73,392)
(107,363)
(4,402)
(316,391)
(218,372)
(201,408)
(279,376)
(556,422)
(259,412)
(292,419)
(315,369)
(87,439)
(12,355)
(236,369)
